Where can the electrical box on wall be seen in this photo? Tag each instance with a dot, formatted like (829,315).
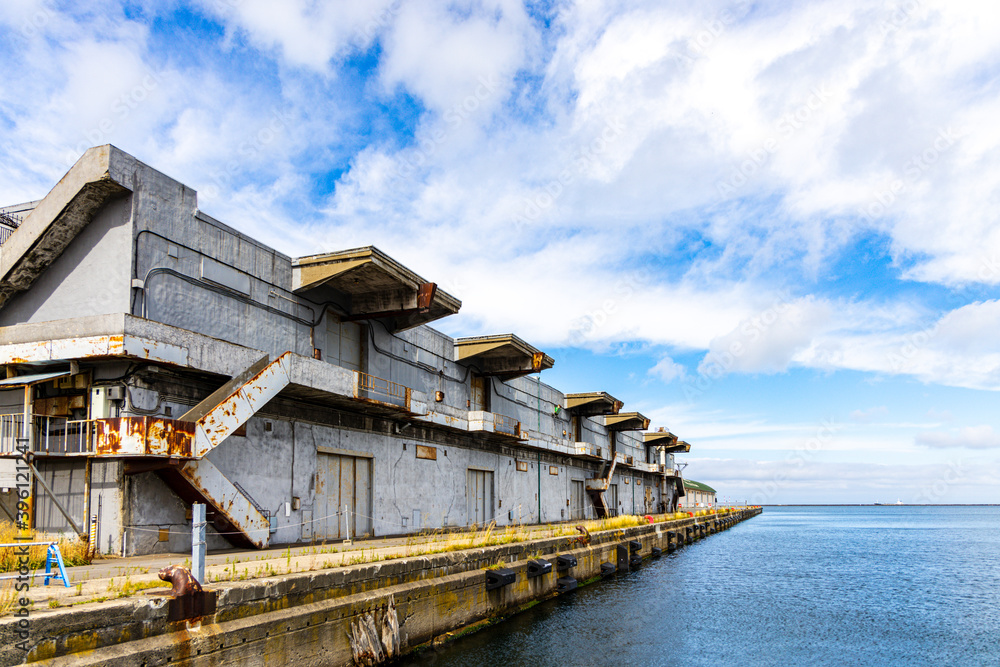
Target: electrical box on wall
(101,404)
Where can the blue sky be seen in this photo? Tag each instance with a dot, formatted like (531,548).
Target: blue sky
(772,228)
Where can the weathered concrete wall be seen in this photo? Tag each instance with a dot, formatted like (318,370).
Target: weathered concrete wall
(276,461)
(173,256)
(305,619)
(92,276)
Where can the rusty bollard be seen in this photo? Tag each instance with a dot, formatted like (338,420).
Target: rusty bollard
(188,600)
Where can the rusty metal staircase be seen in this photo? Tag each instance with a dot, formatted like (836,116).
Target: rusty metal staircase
(598,485)
(237,515)
(234,403)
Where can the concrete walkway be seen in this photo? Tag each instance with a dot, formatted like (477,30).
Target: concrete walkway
(109,578)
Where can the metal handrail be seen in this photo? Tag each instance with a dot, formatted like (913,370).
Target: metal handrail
(51,435)
(394,393)
(257,506)
(8,225)
(506,425)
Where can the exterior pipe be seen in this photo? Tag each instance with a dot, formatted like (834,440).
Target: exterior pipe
(539,393)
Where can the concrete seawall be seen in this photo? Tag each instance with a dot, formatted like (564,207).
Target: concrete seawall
(308,618)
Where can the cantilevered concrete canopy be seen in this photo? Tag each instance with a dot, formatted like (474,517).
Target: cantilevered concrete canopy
(96,178)
(378,286)
(593,403)
(665,440)
(505,355)
(659,438)
(626,421)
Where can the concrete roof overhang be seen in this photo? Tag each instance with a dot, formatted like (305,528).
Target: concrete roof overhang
(505,355)
(591,404)
(99,176)
(378,286)
(665,440)
(626,421)
(659,438)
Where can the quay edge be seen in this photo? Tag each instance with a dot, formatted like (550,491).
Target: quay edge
(306,618)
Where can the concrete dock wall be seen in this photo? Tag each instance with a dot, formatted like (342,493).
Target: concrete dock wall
(306,619)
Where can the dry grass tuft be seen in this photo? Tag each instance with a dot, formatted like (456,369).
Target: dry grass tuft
(8,598)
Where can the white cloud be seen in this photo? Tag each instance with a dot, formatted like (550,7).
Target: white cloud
(803,481)
(869,414)
(667,370)
(957,349)
(308,33)
(460,56)
(768,341)
(579,201)
(969,437)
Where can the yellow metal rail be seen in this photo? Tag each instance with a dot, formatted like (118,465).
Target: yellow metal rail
(506,425)
(382,390)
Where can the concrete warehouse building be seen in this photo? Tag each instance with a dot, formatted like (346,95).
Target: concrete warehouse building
(155,357)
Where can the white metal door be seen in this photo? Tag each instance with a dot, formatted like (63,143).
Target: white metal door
(342,482)
(577,503)
(479,493)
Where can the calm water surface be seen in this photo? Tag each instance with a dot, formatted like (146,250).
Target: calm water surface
(793,586)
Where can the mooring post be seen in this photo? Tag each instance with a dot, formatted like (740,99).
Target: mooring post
(198,542)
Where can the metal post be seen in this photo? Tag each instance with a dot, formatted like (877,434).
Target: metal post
(92,546)
(347,525)
(198,542)
(539,378)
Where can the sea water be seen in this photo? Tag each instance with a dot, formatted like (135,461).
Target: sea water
(883,585)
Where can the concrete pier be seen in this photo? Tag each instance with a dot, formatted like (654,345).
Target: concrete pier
(309,618)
